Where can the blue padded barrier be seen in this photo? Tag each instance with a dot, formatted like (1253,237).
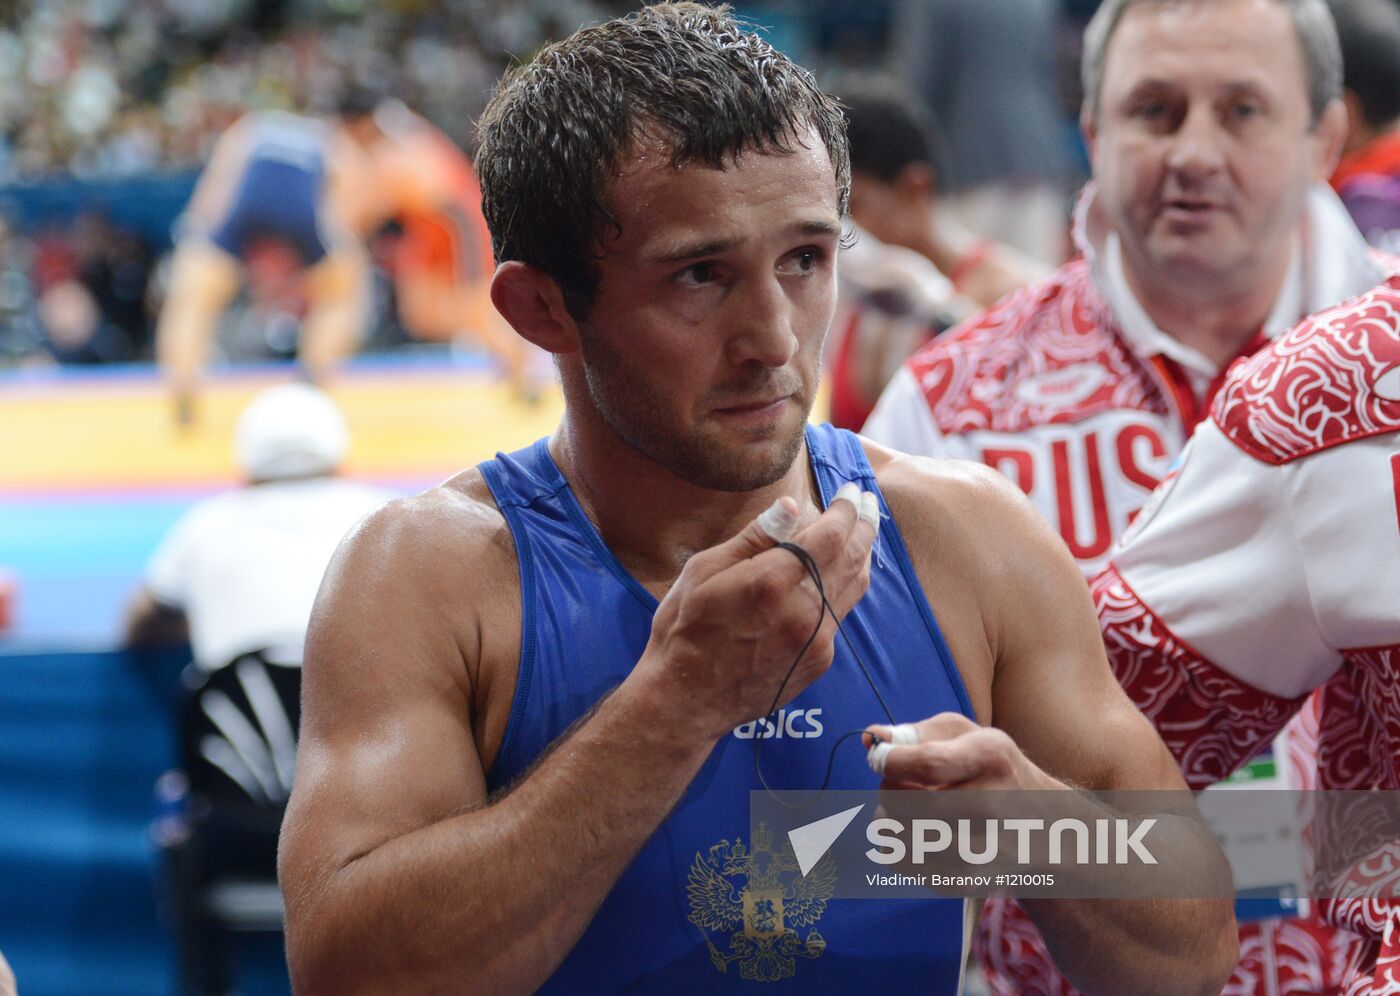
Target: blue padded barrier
(83,736)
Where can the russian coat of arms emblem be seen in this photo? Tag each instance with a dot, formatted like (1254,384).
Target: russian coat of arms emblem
(752,906)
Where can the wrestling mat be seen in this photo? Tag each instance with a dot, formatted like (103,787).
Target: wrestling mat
(93,470)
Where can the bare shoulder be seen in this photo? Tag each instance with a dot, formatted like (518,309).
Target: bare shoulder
(453,533)
(982,553)
(954,509)
(413,586)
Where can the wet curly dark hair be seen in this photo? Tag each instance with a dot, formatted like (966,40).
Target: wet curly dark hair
(551,137)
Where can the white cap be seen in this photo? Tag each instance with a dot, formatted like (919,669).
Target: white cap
(293,430)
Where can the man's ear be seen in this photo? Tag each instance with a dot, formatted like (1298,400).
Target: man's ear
(1356,122)
(914,183)
(1329,138)
(533,304)
(1089,130)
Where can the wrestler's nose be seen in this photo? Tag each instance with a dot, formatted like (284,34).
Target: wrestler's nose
(763,323)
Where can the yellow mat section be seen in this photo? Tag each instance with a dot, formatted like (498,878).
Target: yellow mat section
(118,433)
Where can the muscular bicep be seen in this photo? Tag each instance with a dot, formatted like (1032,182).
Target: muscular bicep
(1052,689)
(1017,616)
(386,738)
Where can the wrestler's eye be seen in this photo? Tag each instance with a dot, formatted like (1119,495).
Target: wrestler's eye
(697,275)
(1150,110)
(802,262)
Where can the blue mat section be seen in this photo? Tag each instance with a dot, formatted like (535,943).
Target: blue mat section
(63,535)
(83,737)
(77,561)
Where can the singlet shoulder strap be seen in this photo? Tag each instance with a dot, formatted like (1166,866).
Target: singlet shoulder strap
(522,478)
(837,457)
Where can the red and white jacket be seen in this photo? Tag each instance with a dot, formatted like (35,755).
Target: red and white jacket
(1268,566)
(1070,389)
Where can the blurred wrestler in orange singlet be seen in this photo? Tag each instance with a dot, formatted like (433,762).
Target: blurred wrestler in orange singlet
(443,264)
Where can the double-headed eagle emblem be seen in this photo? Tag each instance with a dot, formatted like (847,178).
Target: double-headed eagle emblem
(750,905)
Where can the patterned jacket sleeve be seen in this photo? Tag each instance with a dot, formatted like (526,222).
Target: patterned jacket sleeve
(1206,609)
(1267,567)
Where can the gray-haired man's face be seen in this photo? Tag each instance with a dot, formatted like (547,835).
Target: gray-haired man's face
(1202,147)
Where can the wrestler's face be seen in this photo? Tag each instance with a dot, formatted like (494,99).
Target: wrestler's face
(1203,147)
(703,344)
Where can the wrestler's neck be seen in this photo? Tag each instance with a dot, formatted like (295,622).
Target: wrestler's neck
(1215,317)
(652,520)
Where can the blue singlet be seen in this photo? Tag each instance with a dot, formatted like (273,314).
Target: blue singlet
(585,624)
(279,193)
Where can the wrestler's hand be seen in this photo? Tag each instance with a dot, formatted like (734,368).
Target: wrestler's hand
(950,752)
(954,752)
(726,634)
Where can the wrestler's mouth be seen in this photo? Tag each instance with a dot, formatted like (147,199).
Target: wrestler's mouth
(755,409)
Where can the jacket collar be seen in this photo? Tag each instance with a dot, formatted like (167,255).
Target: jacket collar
(1330,263)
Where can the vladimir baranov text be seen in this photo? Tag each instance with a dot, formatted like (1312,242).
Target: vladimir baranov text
(1067,844)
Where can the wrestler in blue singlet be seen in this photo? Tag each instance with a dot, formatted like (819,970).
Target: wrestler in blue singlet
(279,193)
(585,624)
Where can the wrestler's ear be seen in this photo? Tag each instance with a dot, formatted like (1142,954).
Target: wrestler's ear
(531,301)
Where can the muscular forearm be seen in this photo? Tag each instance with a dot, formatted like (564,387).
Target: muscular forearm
(1149,946)
(1160,946)
(501,894)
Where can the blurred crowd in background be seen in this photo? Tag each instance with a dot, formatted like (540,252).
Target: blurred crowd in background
(122,87)
(98,95)
(108,108)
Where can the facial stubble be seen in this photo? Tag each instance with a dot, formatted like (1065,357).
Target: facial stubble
(636,410)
